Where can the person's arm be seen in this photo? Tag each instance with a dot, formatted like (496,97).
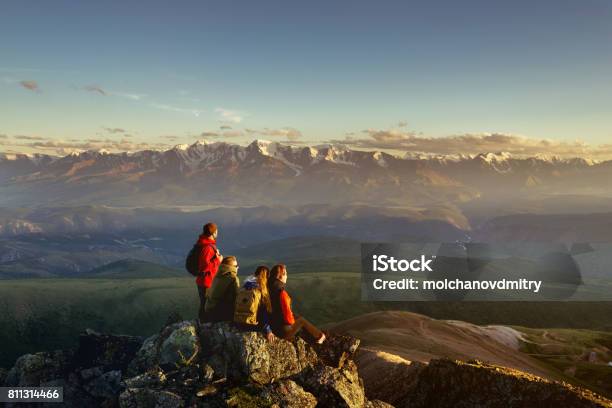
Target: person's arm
(263,317)
(285,302)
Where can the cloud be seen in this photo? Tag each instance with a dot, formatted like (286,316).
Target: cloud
(402,124)
(105,92)
(220,135)
(210,134)
(30,85)
(229,116)
(170,108)
(123,145)
(132,96)
(225,127)
(290,133)
(114,130)
(95,89)
(26,137)
(473,143)
(3,136)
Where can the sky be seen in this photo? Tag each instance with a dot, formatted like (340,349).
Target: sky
(523,76)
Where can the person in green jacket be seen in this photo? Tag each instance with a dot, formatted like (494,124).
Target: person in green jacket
(221,297)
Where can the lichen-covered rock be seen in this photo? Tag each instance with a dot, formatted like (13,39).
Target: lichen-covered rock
(104,386)
(288,394)
(147,398)
(336,387)
(337,349)
(176,345)
(39,368)
(447,383)
(181,346)
(153,378)
(146,357)
(249,356)
(109,351)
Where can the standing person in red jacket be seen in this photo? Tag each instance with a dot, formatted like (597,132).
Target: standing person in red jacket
(208,263)
(284,323)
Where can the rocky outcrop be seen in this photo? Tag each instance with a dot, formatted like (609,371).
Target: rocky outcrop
(287,393)
(186,365)
(238,355)
(398,380)
(447,383)
(336,387)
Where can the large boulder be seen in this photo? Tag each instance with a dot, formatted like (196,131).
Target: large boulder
(36,370)
(249,356)
(176,345)
(288,394)
(336,387)
(103,385)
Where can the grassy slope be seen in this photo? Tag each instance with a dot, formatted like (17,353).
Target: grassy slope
(568,352)
(134,269)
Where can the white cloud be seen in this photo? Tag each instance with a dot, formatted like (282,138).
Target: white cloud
(229,116)
(132,96)
(170,108)
(290,133)
(224,134)
(64,147)
(473,143)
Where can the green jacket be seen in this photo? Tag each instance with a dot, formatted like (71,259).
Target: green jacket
(221,296)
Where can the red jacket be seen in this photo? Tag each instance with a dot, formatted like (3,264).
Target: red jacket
(208,263)
(285,303)
(282,315)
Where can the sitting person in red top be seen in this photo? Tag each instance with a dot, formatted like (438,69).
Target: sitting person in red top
(284,323)
(208,263)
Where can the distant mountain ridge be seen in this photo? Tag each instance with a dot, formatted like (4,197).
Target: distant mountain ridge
(268,172)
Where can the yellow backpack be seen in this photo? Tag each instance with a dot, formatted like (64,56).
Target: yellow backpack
(247,304)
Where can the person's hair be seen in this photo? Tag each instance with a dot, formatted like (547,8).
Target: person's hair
(261,273)
(229,260)
(209,229)
(277,271)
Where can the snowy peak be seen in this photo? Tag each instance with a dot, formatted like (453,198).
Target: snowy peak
(494,157)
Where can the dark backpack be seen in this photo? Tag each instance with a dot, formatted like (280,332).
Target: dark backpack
(193,259)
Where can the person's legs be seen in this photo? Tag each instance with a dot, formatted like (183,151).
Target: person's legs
(202,295)
(301,323)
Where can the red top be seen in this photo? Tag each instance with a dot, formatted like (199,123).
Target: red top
(208,263)
(285,302)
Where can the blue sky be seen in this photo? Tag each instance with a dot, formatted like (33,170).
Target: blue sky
(72,71)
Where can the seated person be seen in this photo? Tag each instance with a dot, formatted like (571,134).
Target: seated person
(253,306)
(284,323)
(221,296)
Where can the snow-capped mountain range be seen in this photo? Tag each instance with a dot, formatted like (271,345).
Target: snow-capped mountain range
(268,172)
